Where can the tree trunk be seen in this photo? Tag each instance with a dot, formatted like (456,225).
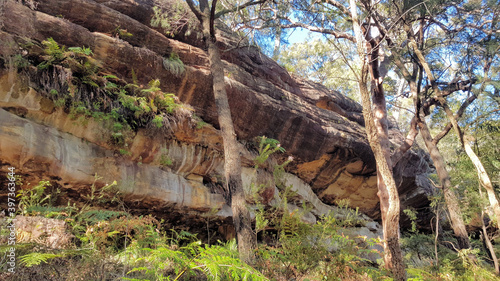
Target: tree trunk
(246,238)
(436,238)
(481,172)
(388,193)
(490,247)
(377,133)
(487,241)
(232,162)
(277,43)
(450,198)
(484,179)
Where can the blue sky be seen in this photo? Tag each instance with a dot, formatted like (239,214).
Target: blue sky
(298,35)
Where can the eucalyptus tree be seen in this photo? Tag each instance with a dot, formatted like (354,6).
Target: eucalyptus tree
(376,124)
(207,12)
(336,20)
(414,77)
(429,42)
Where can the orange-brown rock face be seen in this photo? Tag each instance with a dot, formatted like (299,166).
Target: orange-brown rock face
(321,129)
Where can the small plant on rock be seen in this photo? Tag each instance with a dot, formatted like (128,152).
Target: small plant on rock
(33,197)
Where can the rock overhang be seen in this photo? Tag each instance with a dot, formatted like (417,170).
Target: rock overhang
(322,129)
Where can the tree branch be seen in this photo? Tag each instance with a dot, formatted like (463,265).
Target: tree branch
(439,94)
(459,114)
(339,6)
(457,86)
(407,144)
(448,89)
(195,10)
(238,7)
(336,34)
(463,27)
(212,19)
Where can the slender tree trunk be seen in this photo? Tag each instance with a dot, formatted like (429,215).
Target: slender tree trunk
(487,240)
(377,133)
(457,223)
(436,237)
(388,193)
(484,179)
(490,247)
(232,161)
(247,240)
(277,43)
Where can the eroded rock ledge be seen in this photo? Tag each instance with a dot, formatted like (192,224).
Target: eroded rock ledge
(322,129)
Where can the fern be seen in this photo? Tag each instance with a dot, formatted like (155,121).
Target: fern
(35,258)
(174,65)
(260,220)
(167,103)
(110,76)
(160,261)
(95,216)
(80,50)
(222,263)
(154,86)
(216,262)
(158,121)
(55,54)
(48,211)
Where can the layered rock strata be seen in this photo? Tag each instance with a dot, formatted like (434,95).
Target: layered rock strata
(322,129)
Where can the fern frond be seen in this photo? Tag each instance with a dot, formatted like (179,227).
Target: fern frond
(142,268)
(36,258)
(174,65)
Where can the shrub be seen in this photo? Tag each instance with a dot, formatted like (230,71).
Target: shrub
(33,197)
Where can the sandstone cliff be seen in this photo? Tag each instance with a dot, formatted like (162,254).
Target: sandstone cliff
(321,129)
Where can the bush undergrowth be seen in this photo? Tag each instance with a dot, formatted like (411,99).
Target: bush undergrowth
(116,245)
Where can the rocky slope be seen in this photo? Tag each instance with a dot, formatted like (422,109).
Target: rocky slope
(321,129)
